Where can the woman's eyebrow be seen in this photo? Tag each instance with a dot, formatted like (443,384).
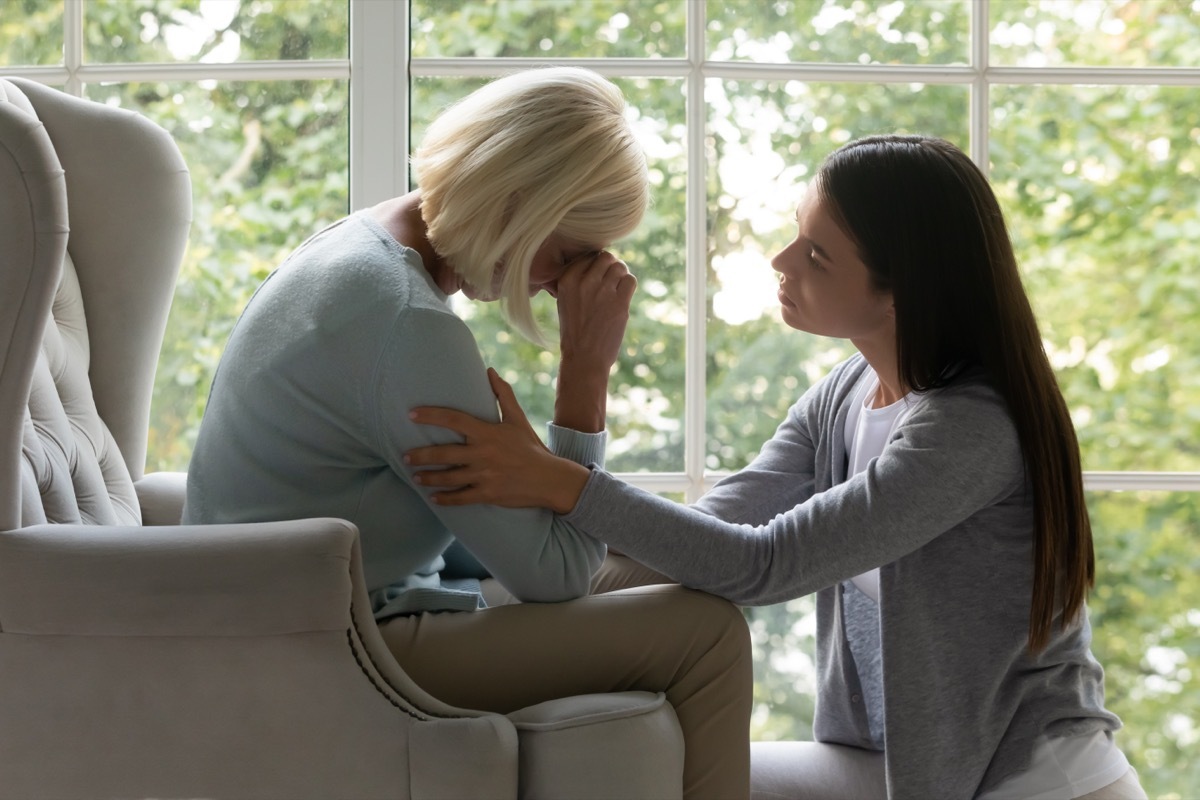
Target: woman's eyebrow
(821,251)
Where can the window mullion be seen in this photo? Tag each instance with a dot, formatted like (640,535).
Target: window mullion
(379,92)
(695,388)
(73,45)
(980,89)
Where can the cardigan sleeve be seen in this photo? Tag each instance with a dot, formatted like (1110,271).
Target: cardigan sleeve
(780,477)
(956,454)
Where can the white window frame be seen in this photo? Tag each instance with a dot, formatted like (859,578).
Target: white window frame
(380,68)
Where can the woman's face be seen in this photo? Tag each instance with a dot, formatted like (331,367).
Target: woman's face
(824,287)
(548,264)
(551,260)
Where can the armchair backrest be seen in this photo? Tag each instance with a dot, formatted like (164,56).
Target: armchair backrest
(95,207)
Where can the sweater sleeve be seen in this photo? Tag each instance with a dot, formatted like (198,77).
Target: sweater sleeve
(780,477)
(432,359)
(956,454)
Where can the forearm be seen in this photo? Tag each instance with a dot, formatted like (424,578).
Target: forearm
(581,399)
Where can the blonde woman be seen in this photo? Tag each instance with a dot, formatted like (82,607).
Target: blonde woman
(522,186)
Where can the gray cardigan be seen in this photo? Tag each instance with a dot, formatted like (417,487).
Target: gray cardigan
(946,515)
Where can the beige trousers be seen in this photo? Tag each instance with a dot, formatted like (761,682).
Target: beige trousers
(692,646)
(813,771)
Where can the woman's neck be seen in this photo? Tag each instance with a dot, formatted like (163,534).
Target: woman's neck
(880,353)
(401,217)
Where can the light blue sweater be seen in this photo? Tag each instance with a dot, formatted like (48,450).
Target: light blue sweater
(308,417)
(946,515)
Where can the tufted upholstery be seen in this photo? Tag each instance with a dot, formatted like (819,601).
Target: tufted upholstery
(84,441)
(74,471)
(142,658)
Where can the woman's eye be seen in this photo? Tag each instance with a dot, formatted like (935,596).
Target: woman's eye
(814,260)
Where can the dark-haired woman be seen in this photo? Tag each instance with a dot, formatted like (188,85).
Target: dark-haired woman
(928,490)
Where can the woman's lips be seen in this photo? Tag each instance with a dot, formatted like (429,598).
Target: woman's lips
(783,299)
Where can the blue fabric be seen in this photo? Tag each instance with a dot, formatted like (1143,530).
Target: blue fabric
(308,417)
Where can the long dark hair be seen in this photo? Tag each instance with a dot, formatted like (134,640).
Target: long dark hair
(930,231)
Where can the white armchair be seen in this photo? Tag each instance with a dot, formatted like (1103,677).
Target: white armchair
(142,658)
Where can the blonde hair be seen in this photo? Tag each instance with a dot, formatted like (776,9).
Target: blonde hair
(531,154)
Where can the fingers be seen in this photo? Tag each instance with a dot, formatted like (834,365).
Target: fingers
(453,478)
(504,395)
(626,287)
(454,487)
(511,412)
(597,272)
(434,455)
(457,421)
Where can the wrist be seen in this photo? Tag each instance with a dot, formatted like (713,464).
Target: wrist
(567,486)
(581,398)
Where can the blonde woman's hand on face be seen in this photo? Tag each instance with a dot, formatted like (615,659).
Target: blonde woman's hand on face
(593,307)
(594,294)
(504,463)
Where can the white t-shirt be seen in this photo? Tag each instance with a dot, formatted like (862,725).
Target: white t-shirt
(1060,768)
(867,433)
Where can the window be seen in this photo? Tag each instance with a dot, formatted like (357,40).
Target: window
(1082,111)
(1083,115)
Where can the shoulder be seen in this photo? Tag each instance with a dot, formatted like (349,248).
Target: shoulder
(969,398)
(969,415)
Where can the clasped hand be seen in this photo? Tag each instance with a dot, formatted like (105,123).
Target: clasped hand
(593,296)
(503,463)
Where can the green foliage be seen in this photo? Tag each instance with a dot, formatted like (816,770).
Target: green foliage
(1145,614)
(31,32)
(548,28)
(269,162)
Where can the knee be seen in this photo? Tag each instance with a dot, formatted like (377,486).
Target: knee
(726,624)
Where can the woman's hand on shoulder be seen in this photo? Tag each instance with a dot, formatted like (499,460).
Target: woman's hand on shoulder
(504,463)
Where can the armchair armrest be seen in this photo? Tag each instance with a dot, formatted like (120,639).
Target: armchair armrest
(200,580)
(161,496)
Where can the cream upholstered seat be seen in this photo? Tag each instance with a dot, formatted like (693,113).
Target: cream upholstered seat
(142,658)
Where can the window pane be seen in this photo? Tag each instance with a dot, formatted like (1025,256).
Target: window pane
(646,399)
(214,32)
(1100,187)
(765,140)
(840,31)
(1145,613)
(31,32)
(784,646)
(269,166)
(1097,33)
(548,28)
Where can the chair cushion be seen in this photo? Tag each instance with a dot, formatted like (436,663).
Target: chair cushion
(599,746)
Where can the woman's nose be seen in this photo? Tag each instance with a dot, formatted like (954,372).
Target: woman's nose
(779,260)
